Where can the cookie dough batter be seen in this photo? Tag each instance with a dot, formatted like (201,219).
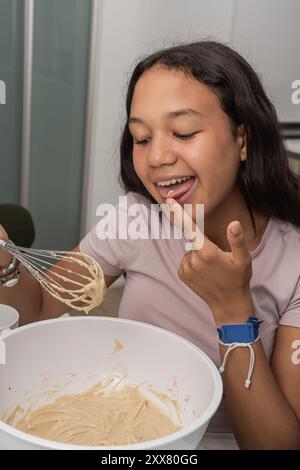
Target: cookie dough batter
(98,418)
(84,291)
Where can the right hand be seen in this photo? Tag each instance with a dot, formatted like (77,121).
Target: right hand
(5,258)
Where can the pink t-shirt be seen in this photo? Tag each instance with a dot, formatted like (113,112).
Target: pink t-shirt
(153,292)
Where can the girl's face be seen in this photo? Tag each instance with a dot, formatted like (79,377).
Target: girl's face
(179,130)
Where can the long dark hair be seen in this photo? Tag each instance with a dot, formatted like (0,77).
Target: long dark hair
(266,181)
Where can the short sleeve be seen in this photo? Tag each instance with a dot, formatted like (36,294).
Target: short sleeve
(105,246)
(291,315)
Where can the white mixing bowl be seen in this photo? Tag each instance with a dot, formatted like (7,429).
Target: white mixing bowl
(71,354)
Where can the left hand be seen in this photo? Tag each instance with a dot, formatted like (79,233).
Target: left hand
(221,279)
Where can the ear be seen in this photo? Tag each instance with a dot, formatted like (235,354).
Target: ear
(242,141)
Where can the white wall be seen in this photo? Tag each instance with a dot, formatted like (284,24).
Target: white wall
(267,34)
(265,31)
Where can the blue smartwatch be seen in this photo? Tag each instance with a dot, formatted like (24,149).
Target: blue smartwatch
(240,333)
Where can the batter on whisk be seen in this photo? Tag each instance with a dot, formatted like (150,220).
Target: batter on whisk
(83,292)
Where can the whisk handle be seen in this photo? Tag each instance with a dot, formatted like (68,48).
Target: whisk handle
(3,244)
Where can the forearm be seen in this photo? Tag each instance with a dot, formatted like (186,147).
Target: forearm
(25,297)
(261,417)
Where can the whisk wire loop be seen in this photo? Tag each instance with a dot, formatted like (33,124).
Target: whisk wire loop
(80,291)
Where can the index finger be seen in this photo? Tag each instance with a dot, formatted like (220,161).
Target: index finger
(185,222)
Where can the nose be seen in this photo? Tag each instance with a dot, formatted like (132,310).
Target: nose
(161,153)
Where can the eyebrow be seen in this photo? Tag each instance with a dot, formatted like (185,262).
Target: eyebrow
(170,115)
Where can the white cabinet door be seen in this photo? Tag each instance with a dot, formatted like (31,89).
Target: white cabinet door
(267,33)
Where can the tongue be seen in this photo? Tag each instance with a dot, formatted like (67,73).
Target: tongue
(178,189)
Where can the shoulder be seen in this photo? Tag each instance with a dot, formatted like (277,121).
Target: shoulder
(287,229)
(287,237)
(280,236)
(276,272)
(115,219)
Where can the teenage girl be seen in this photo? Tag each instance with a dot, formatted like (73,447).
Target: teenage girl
(198,114)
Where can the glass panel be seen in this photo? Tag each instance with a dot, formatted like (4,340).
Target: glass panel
(60,64)
(11,73)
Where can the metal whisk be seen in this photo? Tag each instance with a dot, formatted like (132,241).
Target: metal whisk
(84,291)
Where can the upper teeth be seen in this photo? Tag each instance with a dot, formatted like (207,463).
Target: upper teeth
(178,180)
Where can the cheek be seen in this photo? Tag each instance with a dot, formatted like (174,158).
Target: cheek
(140,168)
(217,164)
(223,172)
(137,164)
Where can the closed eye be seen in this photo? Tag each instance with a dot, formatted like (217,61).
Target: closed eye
(178,136)
(185,136)
(141,142)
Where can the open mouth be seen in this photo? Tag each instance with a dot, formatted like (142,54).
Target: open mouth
(179,191)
